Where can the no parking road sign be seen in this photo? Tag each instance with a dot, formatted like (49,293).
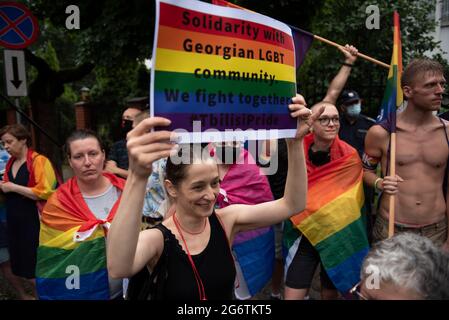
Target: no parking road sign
(18,26)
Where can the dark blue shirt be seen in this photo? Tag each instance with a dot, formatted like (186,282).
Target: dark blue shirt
(119,154)
(354,134)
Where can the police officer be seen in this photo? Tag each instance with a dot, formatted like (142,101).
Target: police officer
(353,124)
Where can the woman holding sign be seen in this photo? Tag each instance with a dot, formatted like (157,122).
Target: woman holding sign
(190,250)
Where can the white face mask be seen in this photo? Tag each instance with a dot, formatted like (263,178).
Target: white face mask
(354,110)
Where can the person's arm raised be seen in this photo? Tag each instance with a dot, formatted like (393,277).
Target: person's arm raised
(129,250)
(338,83)
(246,217)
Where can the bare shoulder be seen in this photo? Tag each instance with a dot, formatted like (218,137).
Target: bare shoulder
(436,124)
(377,135)
(445,125)
(444,122)
(376,141)
(377,131)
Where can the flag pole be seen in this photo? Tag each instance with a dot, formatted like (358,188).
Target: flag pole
(399,100)
(393,174)
(361,55)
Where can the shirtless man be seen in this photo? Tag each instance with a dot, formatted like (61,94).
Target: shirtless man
(421,156)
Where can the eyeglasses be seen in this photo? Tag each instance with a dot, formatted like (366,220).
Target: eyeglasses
(355,291)
(325,121)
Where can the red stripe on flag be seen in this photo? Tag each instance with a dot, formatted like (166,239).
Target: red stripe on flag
(181,18)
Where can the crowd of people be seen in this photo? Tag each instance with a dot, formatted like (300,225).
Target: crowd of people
(138,224)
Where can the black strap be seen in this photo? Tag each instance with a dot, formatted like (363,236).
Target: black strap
(445,130)
(446,171)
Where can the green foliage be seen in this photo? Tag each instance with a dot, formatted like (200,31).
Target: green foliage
(110,31)
(117,35)
(343,21)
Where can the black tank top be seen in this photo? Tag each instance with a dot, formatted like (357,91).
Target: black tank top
(215,265)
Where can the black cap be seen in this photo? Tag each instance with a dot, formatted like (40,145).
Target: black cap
(348,96)
(137,102)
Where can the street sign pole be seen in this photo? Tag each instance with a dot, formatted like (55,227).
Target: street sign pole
(18,117)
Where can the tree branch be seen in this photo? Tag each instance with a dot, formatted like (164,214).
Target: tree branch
(74,74)
(40,64)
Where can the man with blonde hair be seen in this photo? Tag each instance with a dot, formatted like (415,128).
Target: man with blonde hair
(421,158)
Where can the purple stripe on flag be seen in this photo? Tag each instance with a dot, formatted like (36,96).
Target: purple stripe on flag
(248,235)
(274,105)
(222,121)
(302,41)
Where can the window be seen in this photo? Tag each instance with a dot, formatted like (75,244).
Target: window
(445,13)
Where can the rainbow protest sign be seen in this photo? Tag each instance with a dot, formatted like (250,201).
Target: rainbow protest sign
(222,73)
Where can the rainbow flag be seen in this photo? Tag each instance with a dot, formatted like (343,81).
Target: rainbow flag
(332,220)
(254,250)
(42,178)
(71,257)
(393,96)
(223,67)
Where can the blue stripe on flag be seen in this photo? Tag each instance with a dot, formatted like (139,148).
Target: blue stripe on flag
(347,274)
(256,258)
(92,286)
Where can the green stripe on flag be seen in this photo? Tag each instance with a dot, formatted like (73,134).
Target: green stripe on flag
(89,257)
(343,244)
(290,234)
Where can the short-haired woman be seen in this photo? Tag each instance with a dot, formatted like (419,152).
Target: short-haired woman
(28,181)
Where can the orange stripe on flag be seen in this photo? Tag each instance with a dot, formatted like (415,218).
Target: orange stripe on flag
(334,181)
(174,38)
(57,218)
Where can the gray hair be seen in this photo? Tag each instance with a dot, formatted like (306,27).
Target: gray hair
(413,262)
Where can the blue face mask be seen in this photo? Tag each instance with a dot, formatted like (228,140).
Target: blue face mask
(354,110)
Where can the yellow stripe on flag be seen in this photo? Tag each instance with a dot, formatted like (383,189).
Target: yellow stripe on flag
(334,216)
(50,237)
(186,62)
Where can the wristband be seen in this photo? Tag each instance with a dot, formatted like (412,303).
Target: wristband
(375,184)
(347,64)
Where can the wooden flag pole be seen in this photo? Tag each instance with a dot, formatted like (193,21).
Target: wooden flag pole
(393,174)
(361,55)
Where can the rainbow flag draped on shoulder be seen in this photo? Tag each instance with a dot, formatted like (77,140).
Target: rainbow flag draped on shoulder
(71,258)
(254,249)
(332,220)
(393,96)
(42,179)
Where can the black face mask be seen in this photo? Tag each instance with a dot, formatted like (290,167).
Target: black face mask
(127,126)
(228,154)
(319,158)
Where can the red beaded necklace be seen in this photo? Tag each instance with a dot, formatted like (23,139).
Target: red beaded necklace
(186,231)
